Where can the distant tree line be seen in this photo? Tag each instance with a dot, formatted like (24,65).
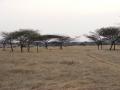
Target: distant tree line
(106,34)
(26,37)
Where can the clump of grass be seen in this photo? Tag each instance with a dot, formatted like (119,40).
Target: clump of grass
(22,71)
(67,62)
(50,62)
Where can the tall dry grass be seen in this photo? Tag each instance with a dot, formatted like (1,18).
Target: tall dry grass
(73,68)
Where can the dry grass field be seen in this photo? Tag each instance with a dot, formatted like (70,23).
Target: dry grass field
(73,68)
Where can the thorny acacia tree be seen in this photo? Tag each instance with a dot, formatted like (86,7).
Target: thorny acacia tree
(24,36)
(96,37)
(112,34)
(61,39)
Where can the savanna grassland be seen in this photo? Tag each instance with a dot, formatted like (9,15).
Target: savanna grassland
(73,68)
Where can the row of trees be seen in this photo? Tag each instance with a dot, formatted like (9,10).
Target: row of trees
(108,34)
(27,37)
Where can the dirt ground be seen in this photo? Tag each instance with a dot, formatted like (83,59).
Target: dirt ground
(73,68)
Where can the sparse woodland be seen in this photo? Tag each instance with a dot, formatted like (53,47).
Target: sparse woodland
(68,68)
(110,35)
(25,38)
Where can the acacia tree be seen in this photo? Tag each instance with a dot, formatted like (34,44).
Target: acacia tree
(112,34)
(61,39)
(46,38)
(7,38)
(64,39)
(96,37)
(3,42)
(24,36)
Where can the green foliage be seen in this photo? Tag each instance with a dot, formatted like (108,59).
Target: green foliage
(94,36)
(22,35)
(59,37)
(28,35)
(112,33)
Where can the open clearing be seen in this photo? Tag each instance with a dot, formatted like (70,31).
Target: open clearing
(73,68)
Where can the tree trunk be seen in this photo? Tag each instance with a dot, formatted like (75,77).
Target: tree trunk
(61,45)
(46,45)
(4,45)
(114,46)
(11,45)
(112,43)
(37,47)
(28,47)
(21,47)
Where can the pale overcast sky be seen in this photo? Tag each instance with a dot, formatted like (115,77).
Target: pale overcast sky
(70,17)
